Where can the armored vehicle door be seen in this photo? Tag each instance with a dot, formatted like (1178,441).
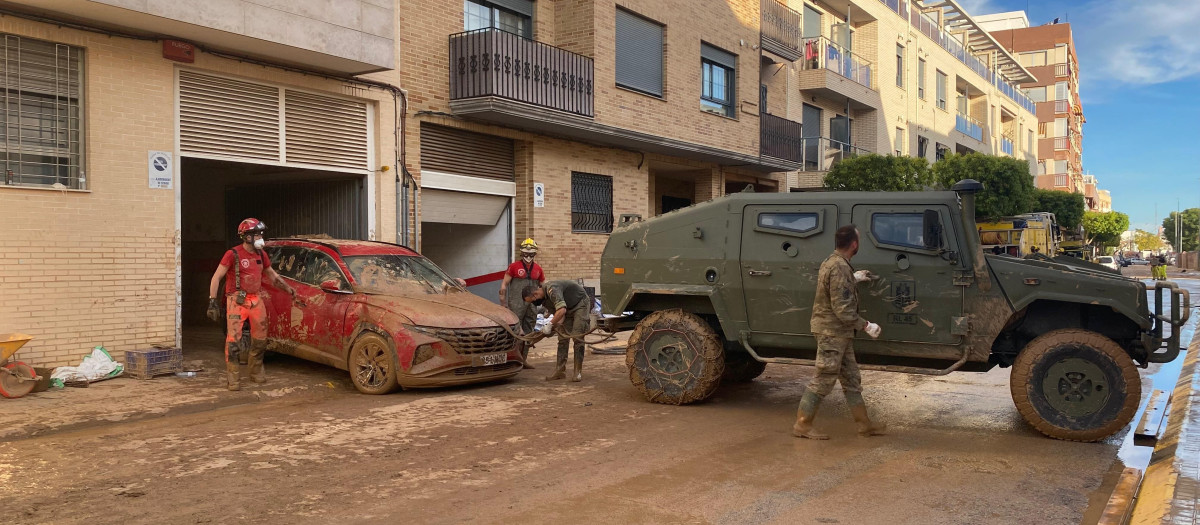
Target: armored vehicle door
(916,297)
(783,246)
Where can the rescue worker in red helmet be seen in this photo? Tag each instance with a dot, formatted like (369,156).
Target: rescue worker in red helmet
(250,266)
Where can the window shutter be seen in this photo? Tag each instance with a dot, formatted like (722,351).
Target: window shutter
(460,152)
(229,118)
(719,56)
(639,53)
(325,131)
(524,7)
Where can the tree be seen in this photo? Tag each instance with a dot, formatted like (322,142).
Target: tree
(1104,229)
(1067,207)
(1190,224)
(1007,184)
(880,173)
(1147,241)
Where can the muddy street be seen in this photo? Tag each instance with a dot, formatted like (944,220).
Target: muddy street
(533,451)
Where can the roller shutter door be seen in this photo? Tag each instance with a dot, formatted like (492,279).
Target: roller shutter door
(456,207)
(450,150)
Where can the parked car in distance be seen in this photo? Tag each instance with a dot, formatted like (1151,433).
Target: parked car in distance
(1108,261)
(1138,261)
(387,315)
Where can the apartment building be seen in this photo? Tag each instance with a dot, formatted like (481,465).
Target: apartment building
(1048,51)
(917,78)
(137,134)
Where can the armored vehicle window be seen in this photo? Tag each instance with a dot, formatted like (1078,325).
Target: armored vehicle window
(797,222)
(900,229)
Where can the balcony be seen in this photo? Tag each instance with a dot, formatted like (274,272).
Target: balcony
(1061,106)
(1061,143)
(1062,70)
(969,127)
(490,63)
(780,138)
(836,72)
(781,30)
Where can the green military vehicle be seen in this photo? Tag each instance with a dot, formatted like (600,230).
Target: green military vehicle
(717,290)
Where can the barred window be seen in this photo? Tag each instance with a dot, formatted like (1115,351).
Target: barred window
(591,203)
(41,113)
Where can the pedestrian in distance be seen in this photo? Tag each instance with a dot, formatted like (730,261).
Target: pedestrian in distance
(571,320)
(250,266)
(834,320)
(520,275)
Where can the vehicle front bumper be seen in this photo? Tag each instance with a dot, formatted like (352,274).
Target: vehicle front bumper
(1181,309)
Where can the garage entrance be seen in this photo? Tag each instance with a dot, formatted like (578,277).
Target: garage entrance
(217,195)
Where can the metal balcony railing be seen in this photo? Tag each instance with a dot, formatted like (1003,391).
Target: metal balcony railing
(822,153)
(969,126)
(780,138)
(823,53)
(495,63)
(1061,143)
(781,25)
(1062,70)
(1062,106)
(900,7)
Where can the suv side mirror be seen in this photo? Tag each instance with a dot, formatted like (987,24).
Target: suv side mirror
(932,226)
(331,285)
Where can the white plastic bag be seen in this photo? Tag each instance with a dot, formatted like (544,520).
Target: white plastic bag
(94,367)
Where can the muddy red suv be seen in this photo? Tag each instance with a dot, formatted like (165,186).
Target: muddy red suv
(387,315)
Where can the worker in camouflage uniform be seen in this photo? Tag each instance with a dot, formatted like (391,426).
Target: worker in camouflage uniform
(520,275)
(834,321)
(571,320)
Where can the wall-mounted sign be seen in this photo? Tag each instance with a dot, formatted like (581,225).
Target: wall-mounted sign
(539,195)
(162,170)
(179,51)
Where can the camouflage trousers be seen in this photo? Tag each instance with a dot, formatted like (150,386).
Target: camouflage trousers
(835,361)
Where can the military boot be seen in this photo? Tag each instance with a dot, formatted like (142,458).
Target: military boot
(578,375)
(804,417)
(560,365)
(858,408)
(231,366)
(258,348)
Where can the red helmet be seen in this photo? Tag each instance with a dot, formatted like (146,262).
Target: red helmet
(251,226)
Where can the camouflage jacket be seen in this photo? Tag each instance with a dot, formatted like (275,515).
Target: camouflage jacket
(835,309)
(563,294)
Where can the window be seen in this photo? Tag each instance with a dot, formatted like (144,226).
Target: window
(717,80)
(1060,127)
(921,78)
(899,65)
(1041,167)
(320,267)
(922,146)
(1037,94)
(898,143)
(795,222)
(591,203)
(940,152)
(1060,91)
(1060,166)
(513,16)
(1029,142)
(941,90)
(41,120)
(900,229)
(288,261)
(1033,59)
(639,54)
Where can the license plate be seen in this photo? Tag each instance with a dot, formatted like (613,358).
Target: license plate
(491,359)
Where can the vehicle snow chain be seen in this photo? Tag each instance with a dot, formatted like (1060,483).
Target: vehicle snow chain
(1178,317)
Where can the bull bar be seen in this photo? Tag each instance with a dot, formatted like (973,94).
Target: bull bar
(1178,317)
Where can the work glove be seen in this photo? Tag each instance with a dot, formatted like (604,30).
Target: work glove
(873,330)
(214,310)
(863,276)
(547,329)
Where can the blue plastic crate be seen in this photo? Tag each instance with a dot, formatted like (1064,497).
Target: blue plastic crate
(145,364)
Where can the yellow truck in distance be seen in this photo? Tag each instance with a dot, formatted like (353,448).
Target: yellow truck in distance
(1021,235)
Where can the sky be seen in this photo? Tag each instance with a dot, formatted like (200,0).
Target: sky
(1139,68)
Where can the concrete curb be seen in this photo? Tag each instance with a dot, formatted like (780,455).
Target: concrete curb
(1164,496)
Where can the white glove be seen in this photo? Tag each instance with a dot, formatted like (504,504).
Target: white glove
(862,276)
(873,330)
(547,329)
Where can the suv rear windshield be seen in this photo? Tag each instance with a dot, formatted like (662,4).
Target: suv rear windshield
(399,275)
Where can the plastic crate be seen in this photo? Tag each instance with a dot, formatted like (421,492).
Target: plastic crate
(145,364)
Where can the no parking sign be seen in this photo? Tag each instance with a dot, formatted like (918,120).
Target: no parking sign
(539,195)
(162,170)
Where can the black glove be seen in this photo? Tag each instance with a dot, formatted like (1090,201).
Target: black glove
(214,310)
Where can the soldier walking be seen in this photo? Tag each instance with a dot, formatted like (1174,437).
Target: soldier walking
(571,313)
(520,275)
(834,320)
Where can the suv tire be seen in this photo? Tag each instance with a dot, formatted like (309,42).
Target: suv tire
(741,368)
(1075,385)
(675,358)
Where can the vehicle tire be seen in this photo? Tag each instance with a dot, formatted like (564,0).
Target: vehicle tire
(1075,385)
(741,368)
(11,384)
(372,364)
(675,358)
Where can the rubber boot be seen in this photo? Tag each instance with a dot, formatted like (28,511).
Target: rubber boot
(805,415)
(578,375)
(257,350)
(525,356)
(560,365)
(858,408)
(231,366)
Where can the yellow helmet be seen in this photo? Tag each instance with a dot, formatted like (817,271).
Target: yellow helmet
(529,246)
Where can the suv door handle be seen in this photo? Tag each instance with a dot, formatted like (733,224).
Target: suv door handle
(759,273)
